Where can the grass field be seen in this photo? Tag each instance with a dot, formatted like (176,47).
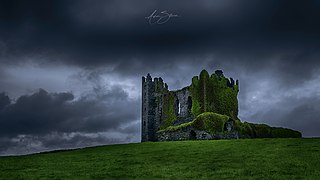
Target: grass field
(217,159)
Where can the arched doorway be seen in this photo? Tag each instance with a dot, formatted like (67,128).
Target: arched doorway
(228,126)
(193,135)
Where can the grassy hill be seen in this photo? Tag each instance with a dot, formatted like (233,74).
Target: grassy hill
(240,159)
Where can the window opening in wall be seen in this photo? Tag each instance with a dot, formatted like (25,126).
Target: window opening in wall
(177,107)
(189,103)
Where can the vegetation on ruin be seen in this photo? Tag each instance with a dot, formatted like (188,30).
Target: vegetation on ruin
(214,100)
(245,130)
(214,123)
(211,94)
(210,122)
(159,87)
(169,115)
(177,127)
(284,133)
(264,131)
(209,159)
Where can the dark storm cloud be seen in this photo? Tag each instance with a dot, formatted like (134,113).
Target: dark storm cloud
(251,34)
(114,32)
(4,101)
(44,112)
(56,115)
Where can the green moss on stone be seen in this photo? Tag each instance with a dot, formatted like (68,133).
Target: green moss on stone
(168,113)
(210,122)
(211,94)
(176,128)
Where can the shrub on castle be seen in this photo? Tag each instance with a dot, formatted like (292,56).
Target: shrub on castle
(210,122)
(262,130)
(278,132)
(245,129)
(250,130)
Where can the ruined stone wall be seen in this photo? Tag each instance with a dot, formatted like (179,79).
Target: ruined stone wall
(182,97)
(194,134)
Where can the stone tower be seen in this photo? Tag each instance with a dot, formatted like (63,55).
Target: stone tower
(147,115)
(152,95)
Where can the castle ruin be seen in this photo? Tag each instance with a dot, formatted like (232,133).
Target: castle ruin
(206,109)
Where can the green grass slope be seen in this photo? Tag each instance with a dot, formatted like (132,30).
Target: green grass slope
(220,159)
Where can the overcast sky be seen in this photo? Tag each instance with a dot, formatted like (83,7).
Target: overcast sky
(70,71)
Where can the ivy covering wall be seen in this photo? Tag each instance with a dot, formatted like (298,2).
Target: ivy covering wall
(168,111)
(211,94)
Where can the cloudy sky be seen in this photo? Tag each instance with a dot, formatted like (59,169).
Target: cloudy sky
(70,71)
